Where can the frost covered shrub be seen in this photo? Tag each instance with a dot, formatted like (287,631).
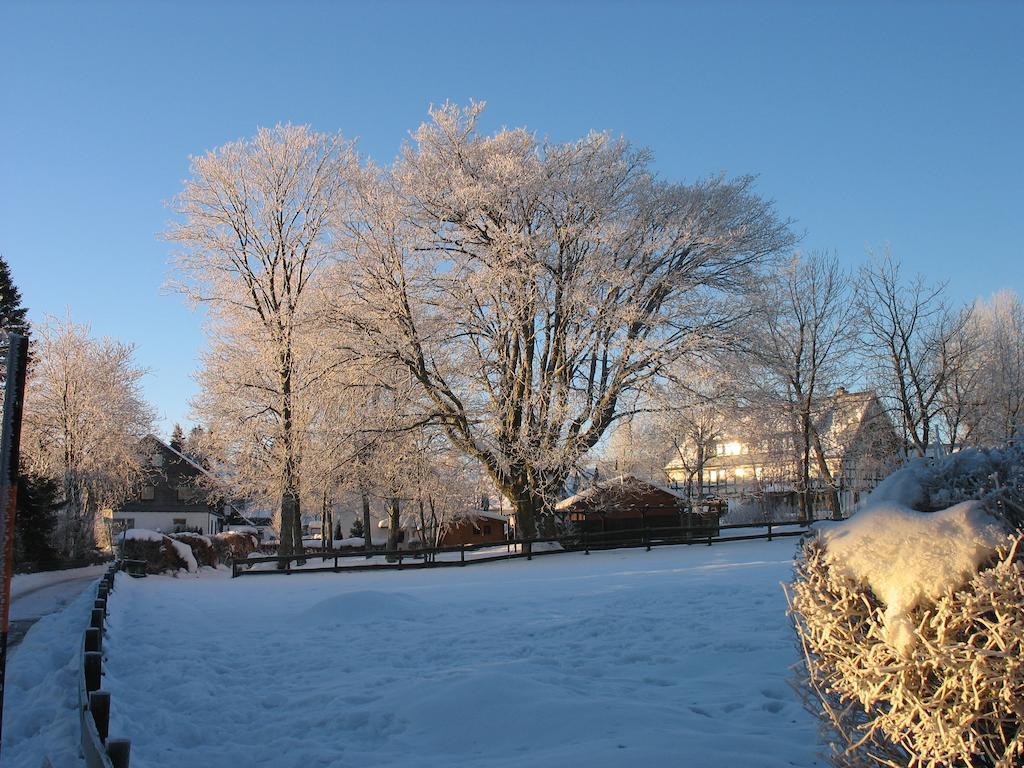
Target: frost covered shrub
(202,548)
(158,551)
(994,476)
(232,545)
(951,696)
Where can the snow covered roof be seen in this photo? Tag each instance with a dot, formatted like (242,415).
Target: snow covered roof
(627,481)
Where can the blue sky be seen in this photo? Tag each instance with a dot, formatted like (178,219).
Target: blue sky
(869,124)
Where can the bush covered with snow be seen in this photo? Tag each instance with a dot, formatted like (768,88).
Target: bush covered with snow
(202,547)
(161,553)
(234,545)
(912,622)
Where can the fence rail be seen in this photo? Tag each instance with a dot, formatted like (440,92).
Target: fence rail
(99,750)
(409,559)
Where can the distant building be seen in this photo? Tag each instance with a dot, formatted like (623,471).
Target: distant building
(626,503)
(173,494)
(751,460)
(481,526)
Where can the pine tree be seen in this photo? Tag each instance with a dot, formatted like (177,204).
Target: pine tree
(357,529)
(36,518)
(12,313)
(178,438)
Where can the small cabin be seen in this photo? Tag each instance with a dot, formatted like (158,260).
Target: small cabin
(626,503)
(476,527)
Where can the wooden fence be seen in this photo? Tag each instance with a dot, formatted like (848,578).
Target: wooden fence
(99,750)
(332,561)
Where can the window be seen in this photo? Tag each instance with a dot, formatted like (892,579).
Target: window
(184,493)
(157,459)
(125,523)
(148,491)
(179,523)
(487,530)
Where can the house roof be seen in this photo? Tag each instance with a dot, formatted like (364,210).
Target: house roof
(624,490)
(838,418)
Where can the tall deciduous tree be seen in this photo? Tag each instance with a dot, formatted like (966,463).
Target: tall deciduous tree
(84,418)
(530,288)
(800,347)
(254,236)
(911,338)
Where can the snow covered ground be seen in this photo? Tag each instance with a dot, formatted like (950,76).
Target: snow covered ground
(678,656)
(41,692)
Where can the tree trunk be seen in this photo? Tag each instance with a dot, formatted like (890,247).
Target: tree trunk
(826,475)
(394,522)
(527,506)
(367,538)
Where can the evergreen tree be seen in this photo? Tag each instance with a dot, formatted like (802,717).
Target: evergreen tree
(178,438)
(357,529)
(36,518)
(12,313)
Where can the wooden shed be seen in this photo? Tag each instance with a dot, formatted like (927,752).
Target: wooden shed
(626,503)
(477,527)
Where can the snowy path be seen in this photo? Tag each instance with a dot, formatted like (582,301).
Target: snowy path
(673,657)
(41,697)
(34,595)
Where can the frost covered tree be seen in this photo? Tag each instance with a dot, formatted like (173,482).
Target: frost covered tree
(912,346)
(531,288)
(84,418)
(798,350)
(698,401)
(998,387)
(253,236)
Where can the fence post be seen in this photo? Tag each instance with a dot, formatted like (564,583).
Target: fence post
(769,530)
(586,540)
(93,670)
(462,553)
(647,537)
(96,619)
(93,640)
(99,705)
(119,750)
(100,605)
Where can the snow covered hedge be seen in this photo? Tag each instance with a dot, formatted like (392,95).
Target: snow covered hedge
(912,623)
(160,553)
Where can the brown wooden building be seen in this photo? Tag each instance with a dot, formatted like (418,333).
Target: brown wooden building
(477,527)
(627,503)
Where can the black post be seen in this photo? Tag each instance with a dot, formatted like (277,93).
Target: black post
(96,620)
(100,605)
(10,451)
(93,670)
(118,750)
(93,640)
(99,705)
(462,553)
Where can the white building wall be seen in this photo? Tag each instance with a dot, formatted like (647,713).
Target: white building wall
(164,522)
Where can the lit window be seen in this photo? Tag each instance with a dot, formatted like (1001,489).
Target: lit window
(714,475)
(741,471)
(733,449)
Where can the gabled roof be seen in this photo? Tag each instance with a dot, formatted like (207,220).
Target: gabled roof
(167,447)
(616,490)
